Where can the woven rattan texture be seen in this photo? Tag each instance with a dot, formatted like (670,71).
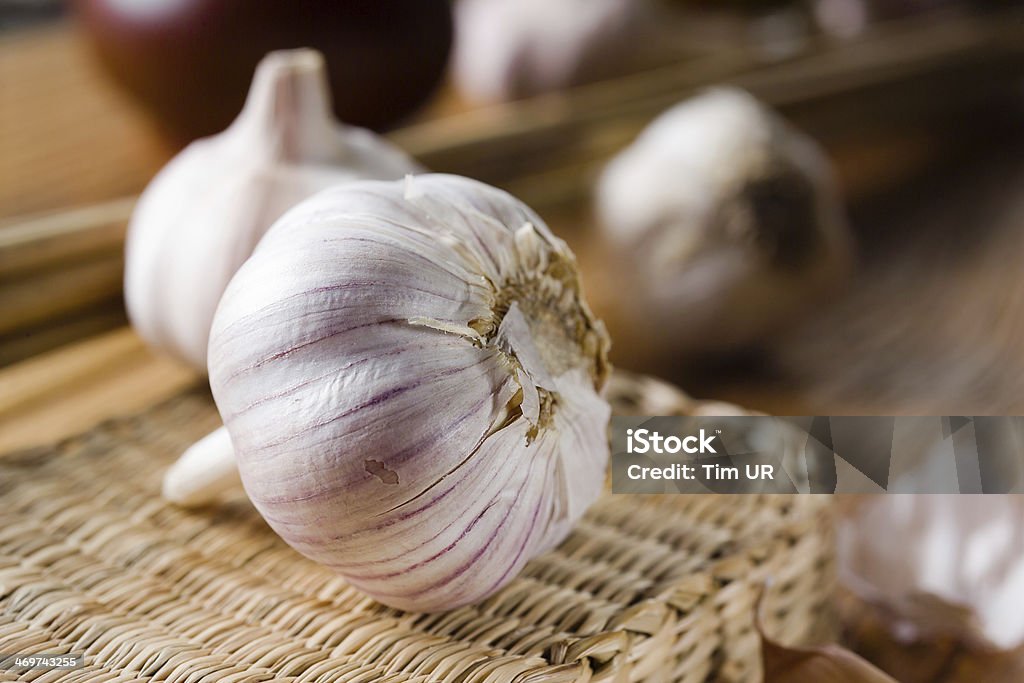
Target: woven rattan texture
(648,589)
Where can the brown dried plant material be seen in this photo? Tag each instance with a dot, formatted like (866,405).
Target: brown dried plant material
(831,663)
(987,665)
(932,657)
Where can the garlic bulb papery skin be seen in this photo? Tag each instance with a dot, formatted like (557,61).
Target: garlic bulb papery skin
(724,221)
(202,215)
(508,49)
(412,381)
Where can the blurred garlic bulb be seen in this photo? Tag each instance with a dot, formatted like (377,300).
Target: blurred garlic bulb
(724,221)
(842,18)
(508,49)
(951,562)
(412,383)
(203,214)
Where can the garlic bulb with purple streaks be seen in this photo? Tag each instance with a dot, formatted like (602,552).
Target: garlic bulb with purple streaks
(412,383)
(203,214)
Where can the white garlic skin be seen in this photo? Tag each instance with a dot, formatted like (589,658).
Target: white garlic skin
(202,215)
(412,384)
(508,49)
(676,209)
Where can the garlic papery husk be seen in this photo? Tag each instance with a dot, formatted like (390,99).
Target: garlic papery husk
(723,222)
(202,215)
(412,382)
(947,564)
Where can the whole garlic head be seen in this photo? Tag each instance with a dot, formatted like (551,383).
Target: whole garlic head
(726,221)
(412,383)
(202,215)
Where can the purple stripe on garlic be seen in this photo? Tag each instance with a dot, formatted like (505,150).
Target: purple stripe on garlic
(204,213)
(412,383)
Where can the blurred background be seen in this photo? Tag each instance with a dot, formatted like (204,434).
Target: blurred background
(917,104)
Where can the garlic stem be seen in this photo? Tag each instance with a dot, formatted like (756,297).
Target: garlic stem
(203,472)
(289,108)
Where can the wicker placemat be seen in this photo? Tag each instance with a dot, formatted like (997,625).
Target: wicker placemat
(658,588)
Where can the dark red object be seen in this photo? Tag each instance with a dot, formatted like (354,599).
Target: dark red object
(190,62)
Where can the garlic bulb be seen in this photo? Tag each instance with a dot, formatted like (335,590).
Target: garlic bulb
(724,221)
(951,563)
(515,48)
(203,214)
(412,383)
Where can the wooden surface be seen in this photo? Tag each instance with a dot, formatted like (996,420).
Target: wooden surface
(68,137)
(60,277)
(72,389)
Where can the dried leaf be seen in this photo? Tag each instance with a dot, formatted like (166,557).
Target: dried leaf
(830,663)
(988,665)
(872,630)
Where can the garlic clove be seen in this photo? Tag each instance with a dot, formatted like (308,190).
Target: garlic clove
(202,215)
(412,383)
(725,222)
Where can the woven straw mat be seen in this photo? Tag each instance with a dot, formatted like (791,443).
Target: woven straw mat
(654,588)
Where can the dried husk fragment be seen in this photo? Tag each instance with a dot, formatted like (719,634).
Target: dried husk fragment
(831,663)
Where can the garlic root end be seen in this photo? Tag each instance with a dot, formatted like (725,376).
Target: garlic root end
(204,471)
